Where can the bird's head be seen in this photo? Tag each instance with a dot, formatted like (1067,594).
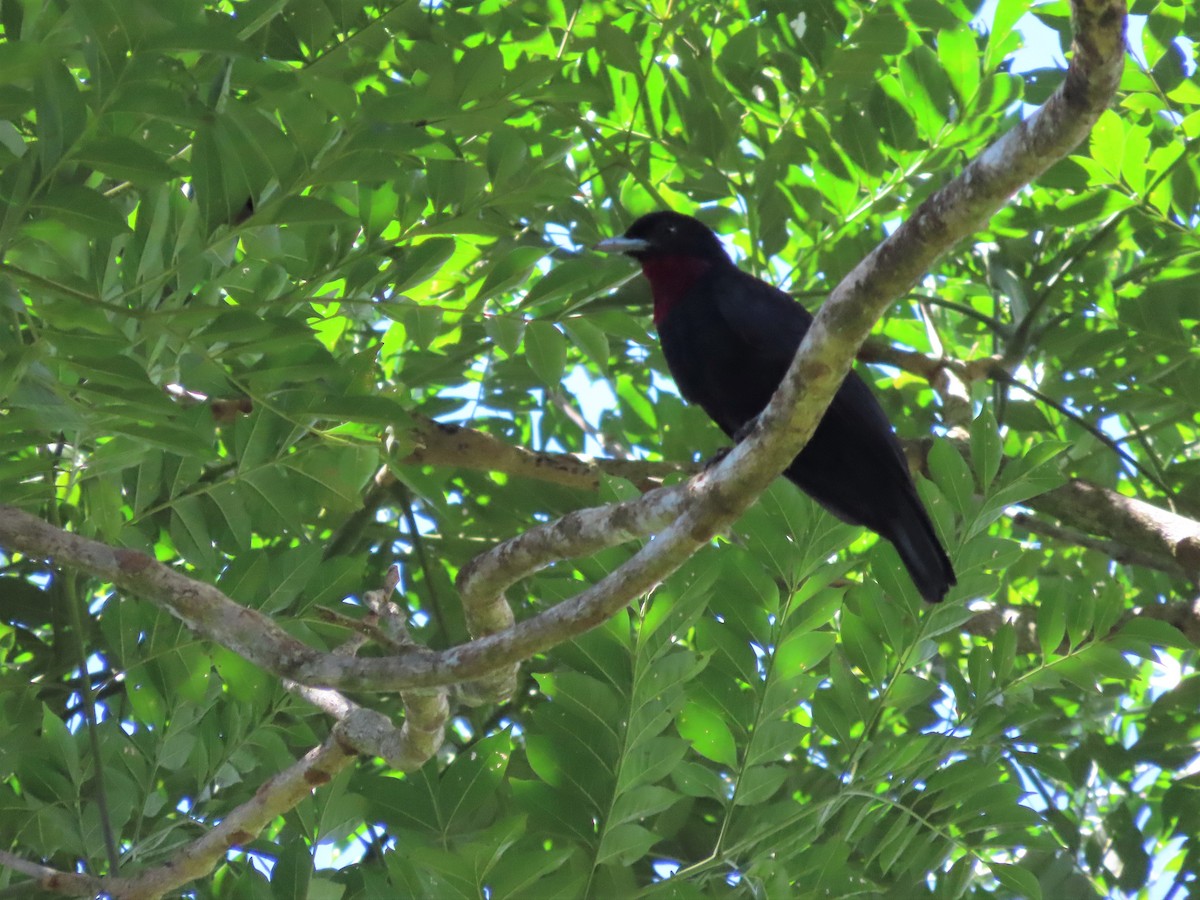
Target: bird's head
(661,235)
(676,252)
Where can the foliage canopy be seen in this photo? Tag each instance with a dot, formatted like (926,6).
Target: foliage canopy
(250,249)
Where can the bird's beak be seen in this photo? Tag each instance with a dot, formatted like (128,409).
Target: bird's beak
(622,245)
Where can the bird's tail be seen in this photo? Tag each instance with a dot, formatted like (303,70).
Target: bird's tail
(922,554)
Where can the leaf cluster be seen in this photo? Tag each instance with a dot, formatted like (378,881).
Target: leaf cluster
(242,244)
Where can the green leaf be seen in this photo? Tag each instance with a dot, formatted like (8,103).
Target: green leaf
(506,331)
(573,280)
(652,760)
(245,682)
(419,261)
(61,113)
(1020,881)
(545,351)
(863,647)
(1002,35)
(124,159)
(696,780)
(1135,152)
(926,90)
(291,571)
(1107,142)
(1051,622)
(589,338)
(473,778)
(958,54)
(801,652)
(1141,630)
(1004,648)
(292,873)
(228,500)
(986,451)
(772,741)
(83,210)
(510,270)
(60,741)
(626,844)
(303,210)
(758,784)
(907,691)
(708,734)
(506,155)
(952,476)
(642,802)
(379,410)
(190,532)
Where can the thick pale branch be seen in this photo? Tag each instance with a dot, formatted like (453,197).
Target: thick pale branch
(200,606)
(1183,615)
(484,579)
(370,733)
(68,884)
(1140,526)
(275,797)
(1145,536)
(441,444)
(1117,552)
(198,858)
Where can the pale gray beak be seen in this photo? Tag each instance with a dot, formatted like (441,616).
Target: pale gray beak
(622,245)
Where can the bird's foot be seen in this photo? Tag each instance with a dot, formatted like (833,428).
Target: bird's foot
(742,433)
(715,460)
(738,437)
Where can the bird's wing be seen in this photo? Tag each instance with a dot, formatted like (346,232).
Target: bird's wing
(766,319)
(772,325)
(765,326)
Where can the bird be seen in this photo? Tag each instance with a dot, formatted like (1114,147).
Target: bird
(729,338)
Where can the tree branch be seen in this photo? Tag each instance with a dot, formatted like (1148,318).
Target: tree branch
(1146,535)
(370,733)
(69,884)
(441,444)
(237,828)
(1117,552)
(1145,529)
(275,797)
(484,579)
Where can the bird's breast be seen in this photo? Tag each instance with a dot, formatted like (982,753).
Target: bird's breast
(671,277)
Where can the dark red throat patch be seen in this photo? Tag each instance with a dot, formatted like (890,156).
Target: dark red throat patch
(671,277)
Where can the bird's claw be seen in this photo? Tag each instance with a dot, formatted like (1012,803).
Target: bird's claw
(744,432)
(715,460)
(738,436)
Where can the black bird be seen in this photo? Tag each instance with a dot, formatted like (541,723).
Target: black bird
(729,339)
